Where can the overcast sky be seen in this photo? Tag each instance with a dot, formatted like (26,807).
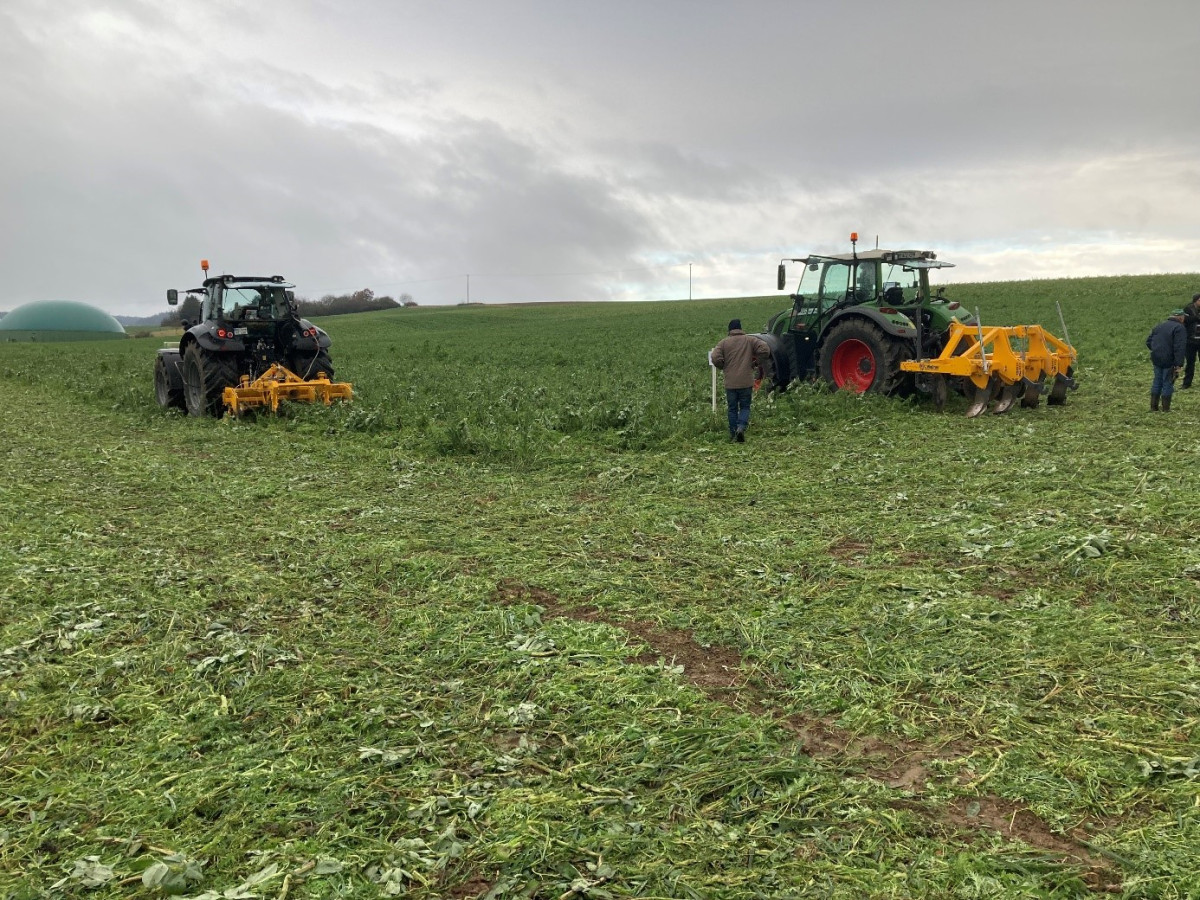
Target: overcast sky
(586,151)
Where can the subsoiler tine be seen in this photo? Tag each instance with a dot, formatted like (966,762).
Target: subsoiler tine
(1008,396)
(1033,392)
(1058,393)
(981,399)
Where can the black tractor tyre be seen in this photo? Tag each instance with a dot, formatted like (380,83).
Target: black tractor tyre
(308,365)
(168,395)
(858,355)
(205,377)
(783,365)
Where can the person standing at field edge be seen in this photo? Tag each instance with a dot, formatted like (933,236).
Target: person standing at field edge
(1191,322)
(1167,343)
(737,356)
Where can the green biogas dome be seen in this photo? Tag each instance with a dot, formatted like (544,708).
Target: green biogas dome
(59,320)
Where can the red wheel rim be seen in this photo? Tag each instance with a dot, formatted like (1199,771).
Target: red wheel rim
(853,366)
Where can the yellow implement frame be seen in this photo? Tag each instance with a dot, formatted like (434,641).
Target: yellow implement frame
(979,353)
(1002,361)
(279,383)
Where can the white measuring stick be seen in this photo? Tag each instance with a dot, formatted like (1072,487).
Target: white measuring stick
(714,381)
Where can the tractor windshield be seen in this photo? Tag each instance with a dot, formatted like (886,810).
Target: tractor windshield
(254,301)
(850,281)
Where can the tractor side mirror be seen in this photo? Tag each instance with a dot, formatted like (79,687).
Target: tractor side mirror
(172,296)
(291,295)
(782,280)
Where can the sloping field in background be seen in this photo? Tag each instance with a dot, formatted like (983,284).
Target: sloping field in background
(521,622)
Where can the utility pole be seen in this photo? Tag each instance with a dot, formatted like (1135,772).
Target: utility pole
(689,281)
(468,287)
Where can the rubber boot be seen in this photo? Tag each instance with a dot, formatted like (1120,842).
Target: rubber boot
(1166,403)
(1154,403)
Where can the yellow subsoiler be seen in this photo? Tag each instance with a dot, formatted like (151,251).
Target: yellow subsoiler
(280,383)
(1005,363)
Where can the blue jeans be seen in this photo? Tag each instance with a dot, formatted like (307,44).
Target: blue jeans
(738,401)
(1164,381)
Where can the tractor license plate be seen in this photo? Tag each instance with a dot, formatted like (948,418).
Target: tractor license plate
(242,330)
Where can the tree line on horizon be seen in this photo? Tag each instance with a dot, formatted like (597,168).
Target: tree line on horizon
(330,305)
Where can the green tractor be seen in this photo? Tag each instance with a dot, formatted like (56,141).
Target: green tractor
(860,316)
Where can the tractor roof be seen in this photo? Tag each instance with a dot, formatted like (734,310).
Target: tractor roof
(246,279)
(250,280)
(917,259)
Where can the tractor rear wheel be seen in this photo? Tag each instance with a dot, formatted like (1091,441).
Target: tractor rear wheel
(167,393)
(307,366)
(205,377)
(857,356)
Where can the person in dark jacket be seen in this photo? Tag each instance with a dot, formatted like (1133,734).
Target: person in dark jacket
(739,356)
(1191,321)
(1167,343)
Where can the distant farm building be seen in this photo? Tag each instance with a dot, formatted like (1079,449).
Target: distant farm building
(59,320)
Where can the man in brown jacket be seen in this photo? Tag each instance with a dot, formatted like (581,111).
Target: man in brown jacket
(738,356)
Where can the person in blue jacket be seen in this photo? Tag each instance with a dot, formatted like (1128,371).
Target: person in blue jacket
(1191,321)
(1167,344)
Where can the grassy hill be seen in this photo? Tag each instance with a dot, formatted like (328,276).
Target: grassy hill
(521,622)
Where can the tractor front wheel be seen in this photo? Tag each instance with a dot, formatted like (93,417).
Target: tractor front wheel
(857,356)
(166,385)
(205,377)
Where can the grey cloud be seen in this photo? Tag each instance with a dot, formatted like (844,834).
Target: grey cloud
(258,188)
(385,145)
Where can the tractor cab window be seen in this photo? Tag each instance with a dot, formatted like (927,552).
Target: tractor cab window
(242,302)
(864,282)
(901,287)
(835,281)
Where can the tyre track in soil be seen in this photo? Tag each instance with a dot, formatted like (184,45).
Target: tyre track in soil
(896,762)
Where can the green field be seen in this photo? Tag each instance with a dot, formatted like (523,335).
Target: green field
(521,622)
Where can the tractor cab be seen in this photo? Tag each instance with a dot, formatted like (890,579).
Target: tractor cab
(244,299)
(906,286)
(254,301)
(893,283)
(247,311)
(837,283)
(231,298)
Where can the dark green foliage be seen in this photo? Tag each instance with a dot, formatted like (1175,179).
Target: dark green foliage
(341,304)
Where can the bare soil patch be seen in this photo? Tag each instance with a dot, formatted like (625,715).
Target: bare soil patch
(850,550)
(896,762)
